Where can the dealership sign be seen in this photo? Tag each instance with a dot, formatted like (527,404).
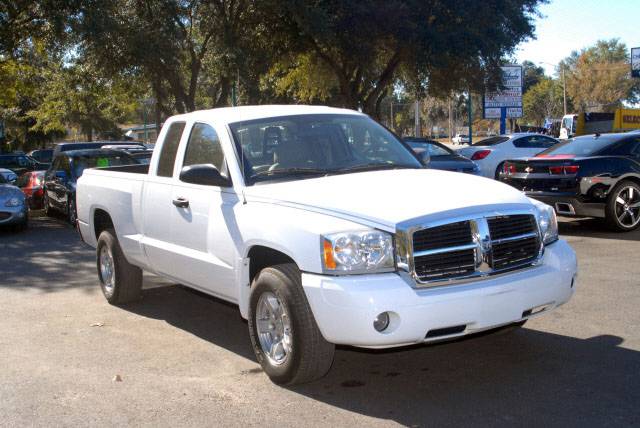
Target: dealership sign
(635,62)
(506,102)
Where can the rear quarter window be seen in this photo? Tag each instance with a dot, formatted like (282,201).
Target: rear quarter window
(169,149)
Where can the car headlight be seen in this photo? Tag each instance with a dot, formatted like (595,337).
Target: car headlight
(358,252)
(547,222)
(13,202)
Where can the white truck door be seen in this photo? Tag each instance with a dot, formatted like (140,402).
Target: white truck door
(200,223)
(157,206)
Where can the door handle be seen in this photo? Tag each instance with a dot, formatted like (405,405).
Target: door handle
(181,202)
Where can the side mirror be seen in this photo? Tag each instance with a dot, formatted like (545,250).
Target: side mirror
(61,175)
(204,174)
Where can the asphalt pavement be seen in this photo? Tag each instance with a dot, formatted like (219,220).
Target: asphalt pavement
(180,358)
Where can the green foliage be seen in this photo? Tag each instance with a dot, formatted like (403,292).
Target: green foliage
(543,100)
(598,77)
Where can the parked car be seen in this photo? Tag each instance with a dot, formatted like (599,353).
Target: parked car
(491,153)
(460,139)
(64,147)
(8,175)
(325,229)
(42,155)
(589,176)
(441,156)
(143,157)
(32,185)
(60,180)
(13,206)
(20,163)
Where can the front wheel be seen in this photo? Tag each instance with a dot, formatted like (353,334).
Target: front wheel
(498,171)
(622,213)
(284,334)
(72,213)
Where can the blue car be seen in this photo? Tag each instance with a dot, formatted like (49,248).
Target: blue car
(13,207)
(441,157)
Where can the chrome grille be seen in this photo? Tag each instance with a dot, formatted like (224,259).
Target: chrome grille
(471,248)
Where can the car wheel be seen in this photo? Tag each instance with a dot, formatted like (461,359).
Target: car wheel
(498,169)
(48,211)
(120,281)
(284,335)
(622,213)
(72,213)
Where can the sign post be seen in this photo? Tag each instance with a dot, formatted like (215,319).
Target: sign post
(635,62)
(505,103)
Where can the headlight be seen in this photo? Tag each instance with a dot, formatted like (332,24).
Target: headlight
(547,222)
(358,252)
(13,202)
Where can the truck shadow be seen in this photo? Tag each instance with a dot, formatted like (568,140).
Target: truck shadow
(593,228)
(522,376)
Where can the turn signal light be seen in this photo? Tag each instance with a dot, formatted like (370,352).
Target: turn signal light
(480,154)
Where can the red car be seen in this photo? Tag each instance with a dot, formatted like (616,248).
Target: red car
(31,184)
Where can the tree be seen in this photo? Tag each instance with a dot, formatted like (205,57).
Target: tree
(440,46)
(531,75)
(598,78)
(543,100)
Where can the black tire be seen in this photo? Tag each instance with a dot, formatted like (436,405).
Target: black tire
(612,220)
(311,356)
(498,170)
(72,213)
(126,278)
(48,211)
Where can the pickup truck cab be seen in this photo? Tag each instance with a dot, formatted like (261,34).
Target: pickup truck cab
(324,228)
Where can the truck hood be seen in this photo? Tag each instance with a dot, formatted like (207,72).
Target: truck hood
(389,197)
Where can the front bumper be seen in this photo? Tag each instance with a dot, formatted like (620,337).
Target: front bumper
(13,215)
(567,204)
(344,307)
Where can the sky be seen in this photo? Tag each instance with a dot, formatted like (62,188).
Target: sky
(568,25)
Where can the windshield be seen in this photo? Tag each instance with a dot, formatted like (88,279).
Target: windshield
(580,146)
(432,148)
(318,144)
(81,163)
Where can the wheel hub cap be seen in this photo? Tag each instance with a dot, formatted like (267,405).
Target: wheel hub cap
(628,206)
(274,328)
(107,274)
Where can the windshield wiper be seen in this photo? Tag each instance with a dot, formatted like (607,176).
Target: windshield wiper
(372,167)
(290,171)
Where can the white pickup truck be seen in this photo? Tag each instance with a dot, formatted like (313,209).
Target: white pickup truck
(324,229)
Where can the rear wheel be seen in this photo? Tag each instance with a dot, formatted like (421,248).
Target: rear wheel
(284,334)
(48,211)
(120,281)
(498,170)
(622,212)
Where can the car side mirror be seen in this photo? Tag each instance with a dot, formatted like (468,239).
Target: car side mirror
(204,174)
(61,175)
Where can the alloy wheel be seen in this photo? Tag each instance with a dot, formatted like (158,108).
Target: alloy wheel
(274,328)
(627,206)
(107,272)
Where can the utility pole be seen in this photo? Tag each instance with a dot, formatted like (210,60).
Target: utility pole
(417,119)
(470,117)
(564,92)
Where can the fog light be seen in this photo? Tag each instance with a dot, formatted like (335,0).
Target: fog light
(381,322)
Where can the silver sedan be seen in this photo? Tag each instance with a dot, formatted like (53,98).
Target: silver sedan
(13,207)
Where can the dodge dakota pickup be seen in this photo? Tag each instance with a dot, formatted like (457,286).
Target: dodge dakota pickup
(324,228)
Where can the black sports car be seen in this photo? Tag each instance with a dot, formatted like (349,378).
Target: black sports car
(590,176)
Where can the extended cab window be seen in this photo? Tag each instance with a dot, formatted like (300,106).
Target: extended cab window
(169,149)
(204,147)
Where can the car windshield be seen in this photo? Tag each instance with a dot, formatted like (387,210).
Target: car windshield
(491,141)
(319,144)
(588,145)
(80,163)
(432,148)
